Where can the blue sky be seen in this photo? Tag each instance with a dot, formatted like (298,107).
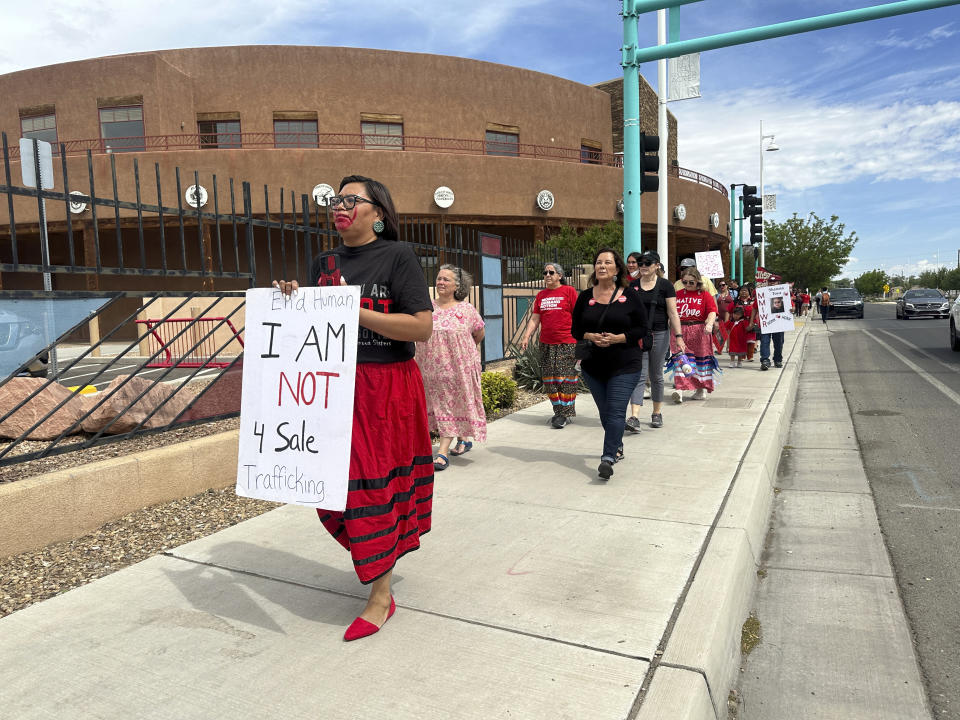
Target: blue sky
(867,116)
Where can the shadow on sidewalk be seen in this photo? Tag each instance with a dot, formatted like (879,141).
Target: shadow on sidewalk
(226,591)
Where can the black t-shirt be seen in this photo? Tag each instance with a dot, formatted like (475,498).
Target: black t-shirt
(391,281)
(627,315)
(659,309)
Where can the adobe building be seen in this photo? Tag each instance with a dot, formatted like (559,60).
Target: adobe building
(295,117)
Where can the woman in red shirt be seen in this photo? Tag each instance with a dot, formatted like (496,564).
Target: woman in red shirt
(698,313)
(553,314)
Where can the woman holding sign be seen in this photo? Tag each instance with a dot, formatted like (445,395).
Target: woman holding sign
(450,363)
(391,464)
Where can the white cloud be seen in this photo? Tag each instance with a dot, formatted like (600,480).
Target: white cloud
(821,143)
(918,42)
(67,30)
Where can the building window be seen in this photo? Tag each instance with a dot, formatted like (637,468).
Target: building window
(223,134)
(591,152)
(121,128)
(382,135)
(40,127)
(295,133)
(502,143)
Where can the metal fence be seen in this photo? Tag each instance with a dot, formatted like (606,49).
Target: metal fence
(218,233)
(136,392)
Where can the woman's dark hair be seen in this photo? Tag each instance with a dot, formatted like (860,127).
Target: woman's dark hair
(623,277)
(635,256)
(381,196)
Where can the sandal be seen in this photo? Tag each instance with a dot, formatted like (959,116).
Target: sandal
(465,444)
(440,462)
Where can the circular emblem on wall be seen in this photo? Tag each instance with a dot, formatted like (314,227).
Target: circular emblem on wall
(77,206)
(320,194)
(545,200)
(715,219)
(680,212)
(443,196)
(196,196)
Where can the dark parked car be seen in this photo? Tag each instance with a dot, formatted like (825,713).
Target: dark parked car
(923,302)
(845,302)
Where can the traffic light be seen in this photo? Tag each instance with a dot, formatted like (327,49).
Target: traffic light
(753,210)
(649,164)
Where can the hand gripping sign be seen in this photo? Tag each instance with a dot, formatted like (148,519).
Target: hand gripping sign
(296,415)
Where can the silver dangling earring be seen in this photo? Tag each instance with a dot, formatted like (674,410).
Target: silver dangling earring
(378,226)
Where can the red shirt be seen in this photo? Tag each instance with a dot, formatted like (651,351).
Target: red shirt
(695,306)
(555,308)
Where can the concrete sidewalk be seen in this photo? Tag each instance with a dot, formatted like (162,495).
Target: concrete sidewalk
(542,592)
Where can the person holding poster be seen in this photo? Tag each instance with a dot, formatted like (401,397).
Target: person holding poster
(746,302)
(450,364)
(553,314)
(698,313)
(612,320)
(389,500)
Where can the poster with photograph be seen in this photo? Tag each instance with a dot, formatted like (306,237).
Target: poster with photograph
(296,413)
(775,308)
(709,263)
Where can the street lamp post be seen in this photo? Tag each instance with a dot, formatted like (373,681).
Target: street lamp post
(770,148)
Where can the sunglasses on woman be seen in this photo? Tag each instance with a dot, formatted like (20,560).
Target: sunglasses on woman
(349,201)
(549,272)
(689,282)
(645,263)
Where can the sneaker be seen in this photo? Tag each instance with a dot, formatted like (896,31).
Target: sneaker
(764,364)
(558,421)
(733,364)
(605,471)
(677,397)
(700,394)
(739,363)
(778,364)
(656,420)
(633,425)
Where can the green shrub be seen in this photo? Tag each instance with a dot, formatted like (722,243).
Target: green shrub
(527,371)
(529,374)
(498,390)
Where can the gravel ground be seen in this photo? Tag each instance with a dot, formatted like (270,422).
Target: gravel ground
(40,574)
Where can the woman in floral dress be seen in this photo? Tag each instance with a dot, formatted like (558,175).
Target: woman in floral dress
(450,364)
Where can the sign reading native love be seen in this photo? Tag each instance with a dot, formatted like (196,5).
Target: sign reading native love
(296,414)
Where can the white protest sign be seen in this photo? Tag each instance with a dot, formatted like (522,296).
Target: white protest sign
(775,308)
(709,263)
(296,415)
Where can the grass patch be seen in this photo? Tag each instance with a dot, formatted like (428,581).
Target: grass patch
(750,635)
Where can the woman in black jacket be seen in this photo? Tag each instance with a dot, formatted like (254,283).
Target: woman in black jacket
(612,320)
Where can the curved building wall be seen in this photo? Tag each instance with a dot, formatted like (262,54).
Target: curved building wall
(433,96)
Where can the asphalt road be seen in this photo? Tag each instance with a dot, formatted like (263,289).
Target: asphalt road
(902,384)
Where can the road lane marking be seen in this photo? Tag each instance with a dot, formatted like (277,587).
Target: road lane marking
(916,368)
(920,350)
(929,507)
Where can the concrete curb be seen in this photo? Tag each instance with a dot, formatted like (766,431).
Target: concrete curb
(706,636)
(64,505)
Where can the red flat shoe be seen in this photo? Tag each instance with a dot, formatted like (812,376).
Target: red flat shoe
(361,628)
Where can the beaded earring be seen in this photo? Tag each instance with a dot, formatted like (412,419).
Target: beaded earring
(378,226)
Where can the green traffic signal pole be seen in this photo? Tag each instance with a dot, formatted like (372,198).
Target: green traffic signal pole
(733,233)
(632,162)
(793,27)
(632,56)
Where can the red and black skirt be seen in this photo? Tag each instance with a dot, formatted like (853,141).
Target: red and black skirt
(390,496)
